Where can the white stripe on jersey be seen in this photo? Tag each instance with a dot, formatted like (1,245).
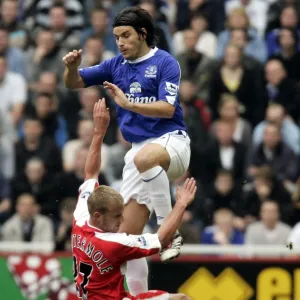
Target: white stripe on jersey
(144,241)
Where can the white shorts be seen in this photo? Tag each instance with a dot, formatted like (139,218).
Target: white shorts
(177,144)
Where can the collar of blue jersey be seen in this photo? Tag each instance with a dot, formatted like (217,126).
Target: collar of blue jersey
(140,59)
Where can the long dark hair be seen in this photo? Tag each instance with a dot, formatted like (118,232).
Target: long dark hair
(137,18)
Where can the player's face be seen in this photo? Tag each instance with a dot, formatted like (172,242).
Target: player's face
(113,219)
(128,41)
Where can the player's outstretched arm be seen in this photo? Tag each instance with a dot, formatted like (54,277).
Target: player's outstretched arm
(158,109)
(101,122)
(72,78)
(184,196)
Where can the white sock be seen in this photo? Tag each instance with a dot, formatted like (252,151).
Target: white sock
(157,183)
(137,276)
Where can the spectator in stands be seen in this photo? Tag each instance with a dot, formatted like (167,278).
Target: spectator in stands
(8,19)
(94,52)
(275,10)
(63,235)
(269,230)
(7,140)
(27,225)
(12,90)
(115,161)
(288,53)
(266,186)
(289,18)
(87,98)
(5,199)
(65,36)
(48,83)
(74,13)
(206,41)
(16,61)
(241,38)
(238,19)
(222,194)
(229,111)
(232,77)
(34,144)
(282,90)
(214,10)
(290,132)
(101,28)
(252,60)
(37,181)
(54,125)
(46,56)
(197,120)
(275,153)
(222,232)
(69,181)
(85,134)
(163,33)
(224,153)
(196,66)
(255,9)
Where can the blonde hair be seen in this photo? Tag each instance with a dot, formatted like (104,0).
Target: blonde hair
(237,11)
(102,199)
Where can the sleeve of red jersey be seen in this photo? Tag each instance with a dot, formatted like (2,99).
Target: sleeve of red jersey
(81,211)
(122,247)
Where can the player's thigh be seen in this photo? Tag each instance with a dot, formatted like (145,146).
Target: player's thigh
(179,151)
(152,155)
(136,199)
(135,217)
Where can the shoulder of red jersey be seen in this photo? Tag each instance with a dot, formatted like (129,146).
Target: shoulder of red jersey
(81,212)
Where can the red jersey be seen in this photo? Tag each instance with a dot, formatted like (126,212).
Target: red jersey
(100,257)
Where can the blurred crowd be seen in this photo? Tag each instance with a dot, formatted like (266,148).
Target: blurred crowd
(240,94)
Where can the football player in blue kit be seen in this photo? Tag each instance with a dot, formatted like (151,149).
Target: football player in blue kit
(144,81)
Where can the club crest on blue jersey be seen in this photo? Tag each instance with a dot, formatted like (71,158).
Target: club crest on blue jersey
(151,71)
(135,88)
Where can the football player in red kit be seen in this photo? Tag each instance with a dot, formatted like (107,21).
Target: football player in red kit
(100,253)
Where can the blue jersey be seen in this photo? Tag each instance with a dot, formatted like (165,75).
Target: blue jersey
(154,77)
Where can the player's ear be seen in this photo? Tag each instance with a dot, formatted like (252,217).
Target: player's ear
(97,215)
(144,33)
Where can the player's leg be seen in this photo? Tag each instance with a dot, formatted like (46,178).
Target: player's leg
(136,216)
(152,162)
(163,159)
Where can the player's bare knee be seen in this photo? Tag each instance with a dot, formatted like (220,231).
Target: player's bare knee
(141,162)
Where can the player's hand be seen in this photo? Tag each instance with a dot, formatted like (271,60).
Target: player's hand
(73,59)
(118,95)
(186,193)
(101,117)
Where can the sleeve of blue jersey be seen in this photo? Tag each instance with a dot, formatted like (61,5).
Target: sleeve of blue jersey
(169,81)
(96,75)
